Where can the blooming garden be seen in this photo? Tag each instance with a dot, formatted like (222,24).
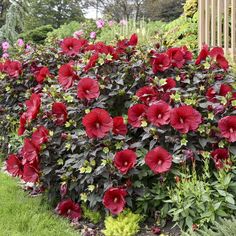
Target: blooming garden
(105,130)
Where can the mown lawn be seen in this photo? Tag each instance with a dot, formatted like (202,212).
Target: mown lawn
(21,215)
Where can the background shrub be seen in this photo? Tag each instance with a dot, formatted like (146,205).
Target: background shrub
(37,35)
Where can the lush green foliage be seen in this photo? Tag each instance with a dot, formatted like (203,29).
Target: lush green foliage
(52,12)
(182,31)
(197,199)
(224,227)
(146,31)
(190,8)
(22,215)
(91,215)
(37,35)
(127,223)
(67,30)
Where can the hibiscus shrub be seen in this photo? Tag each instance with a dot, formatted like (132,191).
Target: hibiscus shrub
(115,126)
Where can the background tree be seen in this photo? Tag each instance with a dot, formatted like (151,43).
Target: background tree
(4,5)
(14,20)
(53,12)
(165,10)
(117,9)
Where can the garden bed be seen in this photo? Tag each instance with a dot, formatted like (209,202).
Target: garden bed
(122,134)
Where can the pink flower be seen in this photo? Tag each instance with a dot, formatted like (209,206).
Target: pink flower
(78,34)
(123,22)
(5,46)
(111,23)
(20,42)
(100,23)
(93,35)
(5,55)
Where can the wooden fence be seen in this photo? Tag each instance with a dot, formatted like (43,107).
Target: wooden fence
(217,24)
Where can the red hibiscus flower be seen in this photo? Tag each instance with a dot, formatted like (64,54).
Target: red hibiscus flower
(188,56)
(158,160)
(211,93)
(185,119)
(133,40)
(88,89)
(72,46)
(30,173)
(159,114)
(42,74)
(227,126)
(114,200)
(59,112)
(136,115)
(33,107)
(69,209)
(13,68)
(220,157)
(216,51)
(203,55)
(160,62)
(119,126)
(98,123)
(176,56)
(225,89)
(170,84)
(66,76)
(40,136)
(125,160)
(14,165)
(92,62)
(222,62)
(29,152)
(147,94)
(21,129)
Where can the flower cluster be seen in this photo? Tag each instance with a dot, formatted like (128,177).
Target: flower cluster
(121,119)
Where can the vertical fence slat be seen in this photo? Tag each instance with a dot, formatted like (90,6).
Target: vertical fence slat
(219,23)
(213,22)
(201,28)
(226,26)
(207,20)
(233,25)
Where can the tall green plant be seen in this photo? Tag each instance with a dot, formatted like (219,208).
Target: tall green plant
(14,20)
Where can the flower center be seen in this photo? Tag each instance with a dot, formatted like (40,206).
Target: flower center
(87,91)
(115,200)
(126,163)
(231,130)
(159,162)
(97,125)
(181,120)
(69,210)
(159,116)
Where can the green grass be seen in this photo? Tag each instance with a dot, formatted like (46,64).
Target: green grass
(21,215)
